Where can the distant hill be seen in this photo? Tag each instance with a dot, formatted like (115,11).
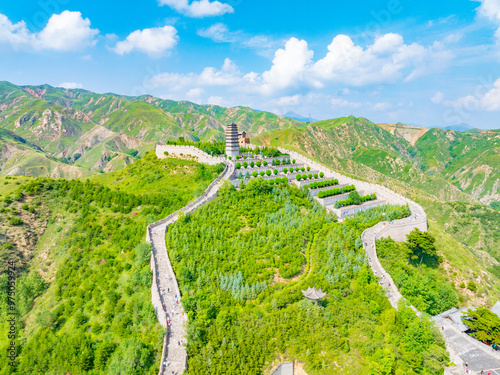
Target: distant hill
(462,127)
(104,132)
(296,116)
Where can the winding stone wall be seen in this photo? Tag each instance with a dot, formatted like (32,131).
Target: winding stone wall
(203,157)
(165,293)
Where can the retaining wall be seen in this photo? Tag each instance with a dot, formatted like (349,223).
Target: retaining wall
(203,157)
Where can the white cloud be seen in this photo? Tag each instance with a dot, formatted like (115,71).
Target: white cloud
(491,10)
(155,41)
(71,85)
(67,31)
(228,75)
(289,66)
(382,106)
(437,97)
(387,60)
(218,33)
(198,8)
(490,101)
(339,103)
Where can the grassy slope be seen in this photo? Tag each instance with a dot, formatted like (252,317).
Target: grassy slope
(86,314)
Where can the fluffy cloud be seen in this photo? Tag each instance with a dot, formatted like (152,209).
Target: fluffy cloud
(155,41)
(489,101)
(71,85)
(387,60)
(67,31)
(491,10)
(289,66)
(198,8)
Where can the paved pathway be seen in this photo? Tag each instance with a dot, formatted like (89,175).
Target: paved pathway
(169,308)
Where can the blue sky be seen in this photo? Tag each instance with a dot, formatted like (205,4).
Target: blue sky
(419,62)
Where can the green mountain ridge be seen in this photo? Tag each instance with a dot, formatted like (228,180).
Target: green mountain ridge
(97,128)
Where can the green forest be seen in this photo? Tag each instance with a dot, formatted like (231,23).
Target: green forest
(84,307)
(242,261)
(415,268)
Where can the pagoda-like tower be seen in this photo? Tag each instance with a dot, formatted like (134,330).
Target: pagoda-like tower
(232,145)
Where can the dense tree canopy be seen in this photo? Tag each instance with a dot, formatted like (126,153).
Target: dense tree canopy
(242,261)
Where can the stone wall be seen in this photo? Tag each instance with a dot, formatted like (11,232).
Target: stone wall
(155,234)
(175,150)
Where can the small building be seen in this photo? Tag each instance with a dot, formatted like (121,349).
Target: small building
(243,139)
(232,145)
(314,294)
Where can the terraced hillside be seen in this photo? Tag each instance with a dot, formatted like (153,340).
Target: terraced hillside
(423,171)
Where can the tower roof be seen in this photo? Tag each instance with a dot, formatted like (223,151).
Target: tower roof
(313,293)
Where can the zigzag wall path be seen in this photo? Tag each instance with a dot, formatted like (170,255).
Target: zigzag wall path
(165,290)
(462,348)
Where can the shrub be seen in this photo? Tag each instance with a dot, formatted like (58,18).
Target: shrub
(275,171)
(308,168)
(297,169)
(264,162)
(245,164)
(293,161)
(229,157)
(262,173)
(252,164)
(472,286)
(255,174)
(303,169)
(237,157)
(268,172)
(14,220)
(271,181)
(285,170)
(25,207)
(315,175)
(284,180)
(321,174)
(132,152)
(278,161)
(310,175)
(259,163)
(237,165)
(299,177)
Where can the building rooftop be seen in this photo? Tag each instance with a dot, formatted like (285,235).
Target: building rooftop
(313,293)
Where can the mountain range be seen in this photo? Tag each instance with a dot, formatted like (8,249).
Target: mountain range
(74,132)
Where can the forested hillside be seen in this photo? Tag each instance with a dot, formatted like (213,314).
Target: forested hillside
(83,300)
(421,165)
(242,261)
(81,131)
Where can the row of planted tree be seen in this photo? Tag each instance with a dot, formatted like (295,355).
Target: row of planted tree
(264,163)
